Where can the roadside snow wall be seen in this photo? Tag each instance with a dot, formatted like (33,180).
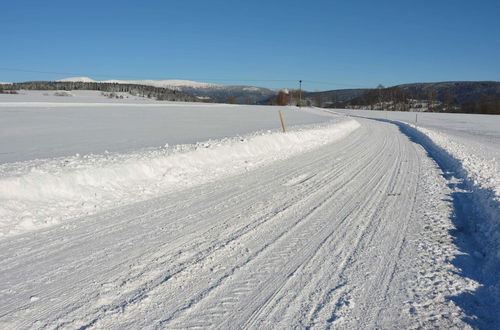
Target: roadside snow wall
(37,194)
(476,190)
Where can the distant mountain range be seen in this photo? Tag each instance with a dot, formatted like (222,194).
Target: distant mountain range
(201,90)
(457,96)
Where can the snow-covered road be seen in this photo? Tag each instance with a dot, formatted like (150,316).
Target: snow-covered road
(354,234)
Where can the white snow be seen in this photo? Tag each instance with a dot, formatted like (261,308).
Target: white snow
(474,140)
(467,148)
(482,163)
(145,214)
(30,97)
(42,193)
(41,125)
(349,234)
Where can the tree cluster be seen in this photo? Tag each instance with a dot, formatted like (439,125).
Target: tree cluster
(5,89)
(489,104)
(428,99)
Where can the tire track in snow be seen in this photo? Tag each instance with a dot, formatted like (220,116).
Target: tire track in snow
(276,211)
(198,261)
(109,230)
(291,245)
(297,243)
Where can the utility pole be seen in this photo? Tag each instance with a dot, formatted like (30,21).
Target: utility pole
(300,93)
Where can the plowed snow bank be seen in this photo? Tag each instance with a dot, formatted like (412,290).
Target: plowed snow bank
(482,178)
(38,194)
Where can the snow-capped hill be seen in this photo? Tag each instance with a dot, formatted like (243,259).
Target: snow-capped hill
(78,79)
(188,83)
(170,83)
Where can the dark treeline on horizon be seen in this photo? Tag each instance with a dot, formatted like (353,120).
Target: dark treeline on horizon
(459,97)
(158,93)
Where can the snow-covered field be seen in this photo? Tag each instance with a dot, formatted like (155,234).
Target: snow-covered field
(34,125)
(343,222)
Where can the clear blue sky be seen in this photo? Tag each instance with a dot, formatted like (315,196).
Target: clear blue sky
(328,44)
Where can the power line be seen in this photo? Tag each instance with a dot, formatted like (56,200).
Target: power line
(101,75)
(98,75)
(334,84)
(110,76)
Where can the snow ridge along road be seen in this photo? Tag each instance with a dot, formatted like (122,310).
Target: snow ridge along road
(352,234)
(38,194)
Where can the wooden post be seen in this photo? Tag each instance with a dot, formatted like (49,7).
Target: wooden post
(282,122)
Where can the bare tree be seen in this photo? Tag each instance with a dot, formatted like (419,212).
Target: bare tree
(380,87)
(431,98)
(448,100)
(318,100)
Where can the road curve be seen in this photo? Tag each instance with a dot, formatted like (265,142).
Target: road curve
(331,238)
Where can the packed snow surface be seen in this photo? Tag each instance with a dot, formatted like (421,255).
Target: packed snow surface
(352,223)
(474,140)
(467,148)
